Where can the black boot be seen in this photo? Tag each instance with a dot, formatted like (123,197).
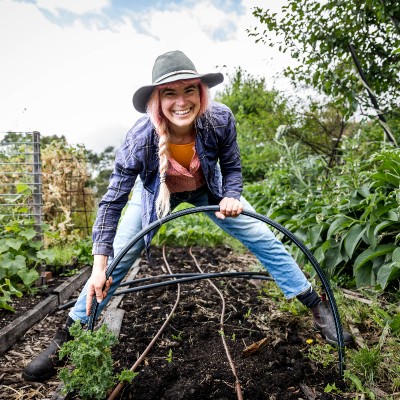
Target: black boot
(325,323)
(44,366)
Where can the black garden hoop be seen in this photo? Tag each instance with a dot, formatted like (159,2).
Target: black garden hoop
(280,228)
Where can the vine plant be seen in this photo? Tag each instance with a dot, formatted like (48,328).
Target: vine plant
(20,253)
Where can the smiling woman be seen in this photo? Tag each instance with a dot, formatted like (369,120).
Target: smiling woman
(178,113)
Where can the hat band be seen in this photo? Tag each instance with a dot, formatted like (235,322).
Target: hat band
(184,71)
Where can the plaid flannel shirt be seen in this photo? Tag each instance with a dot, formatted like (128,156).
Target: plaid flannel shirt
(138,156)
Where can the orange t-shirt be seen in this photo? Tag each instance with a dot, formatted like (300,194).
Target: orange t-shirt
(182,153)
(184,170)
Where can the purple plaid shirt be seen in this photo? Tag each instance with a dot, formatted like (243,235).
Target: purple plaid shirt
(138,155)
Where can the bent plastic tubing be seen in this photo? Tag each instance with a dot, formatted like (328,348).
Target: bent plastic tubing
(280,228)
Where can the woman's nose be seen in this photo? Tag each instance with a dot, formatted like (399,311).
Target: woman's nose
(180,100)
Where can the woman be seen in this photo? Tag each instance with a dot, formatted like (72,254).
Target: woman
(184,150)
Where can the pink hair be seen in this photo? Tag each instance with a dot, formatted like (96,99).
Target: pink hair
(160,123)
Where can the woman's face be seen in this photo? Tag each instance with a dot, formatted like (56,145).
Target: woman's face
(180,105)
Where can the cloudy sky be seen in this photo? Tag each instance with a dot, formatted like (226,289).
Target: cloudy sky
(70,67)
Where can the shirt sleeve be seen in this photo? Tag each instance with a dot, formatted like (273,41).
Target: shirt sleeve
(126,169)
(230,163)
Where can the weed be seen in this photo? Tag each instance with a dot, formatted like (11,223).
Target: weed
(323,354)
(177,337)
(248,313)
(366,362)
(169,357)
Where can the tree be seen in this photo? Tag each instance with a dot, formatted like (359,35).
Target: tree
(319,35)
(258,113)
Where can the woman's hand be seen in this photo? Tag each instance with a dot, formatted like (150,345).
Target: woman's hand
(229,207)
(97,280)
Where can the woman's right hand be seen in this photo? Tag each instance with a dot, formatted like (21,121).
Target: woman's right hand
(97,285)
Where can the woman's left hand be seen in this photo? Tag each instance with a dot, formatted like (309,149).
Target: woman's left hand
(229,207)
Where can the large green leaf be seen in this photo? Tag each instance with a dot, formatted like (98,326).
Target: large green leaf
(369,254)
(365,276)
(333,258)
(15,243)
(339,224)
(13,264)
(353,238)
(314,234)
(47,255)
(387,273)
(396,255)
(28,276)
(29,233)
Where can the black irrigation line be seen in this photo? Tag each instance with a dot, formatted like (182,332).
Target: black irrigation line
(157,224)
(184,278)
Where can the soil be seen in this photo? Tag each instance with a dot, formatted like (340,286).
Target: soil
(188,361)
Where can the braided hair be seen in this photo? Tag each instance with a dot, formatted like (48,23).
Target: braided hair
(161,126)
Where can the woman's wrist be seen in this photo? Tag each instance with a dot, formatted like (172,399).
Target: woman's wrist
(100,262)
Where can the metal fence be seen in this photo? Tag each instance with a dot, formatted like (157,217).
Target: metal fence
(23,190)
(20,166)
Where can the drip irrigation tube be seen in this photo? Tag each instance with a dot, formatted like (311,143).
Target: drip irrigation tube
(157,224)
(184,278)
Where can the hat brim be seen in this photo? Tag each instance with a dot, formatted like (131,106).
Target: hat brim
(142,95)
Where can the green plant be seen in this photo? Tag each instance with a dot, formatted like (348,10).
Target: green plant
(366,362)
(323,354)
(91,375)
(248,313)
(20,251)
(169,356)
(332,389)
(194,229)
(349,219)
(177,337)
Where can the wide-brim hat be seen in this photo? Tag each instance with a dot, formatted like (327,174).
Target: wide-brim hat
(170,67)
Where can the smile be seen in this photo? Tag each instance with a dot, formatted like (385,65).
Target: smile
(182,112)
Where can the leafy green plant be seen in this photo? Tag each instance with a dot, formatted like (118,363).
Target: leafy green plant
(91,375)
(324,354)
(195,229)
(20,253)
(366,362)
(349,219)
(169,356)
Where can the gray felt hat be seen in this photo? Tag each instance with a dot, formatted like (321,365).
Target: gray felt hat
(170,67)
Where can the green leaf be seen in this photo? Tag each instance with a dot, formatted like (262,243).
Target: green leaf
(48,255)
(396,255)
(388,273)
(29,233)
(338,224)
(15,243)
(369,254)
(353,238)
(365,276)
(13,264)
(28,276)
(314,234)
(3,246)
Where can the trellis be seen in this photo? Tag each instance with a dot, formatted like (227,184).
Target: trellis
(21,164)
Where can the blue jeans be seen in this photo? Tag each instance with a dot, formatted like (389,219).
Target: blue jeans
(254,234)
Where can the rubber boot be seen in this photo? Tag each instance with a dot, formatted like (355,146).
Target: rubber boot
(325,323)
(44,366)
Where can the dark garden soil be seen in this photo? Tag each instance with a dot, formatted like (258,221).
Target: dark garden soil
(188,361)
(25,303)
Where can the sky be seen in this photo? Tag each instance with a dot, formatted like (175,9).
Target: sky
(70,67)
